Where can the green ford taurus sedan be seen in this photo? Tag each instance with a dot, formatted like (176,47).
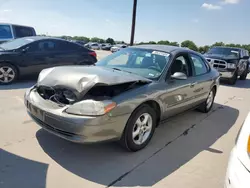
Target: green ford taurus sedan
(122,97)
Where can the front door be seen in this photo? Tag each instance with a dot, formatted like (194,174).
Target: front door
(179,94)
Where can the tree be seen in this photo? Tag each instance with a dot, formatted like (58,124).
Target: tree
(174,44)
(96,39)
(219,44)
(110,40)
(81,38)
(189,44)
(151,42)
(203,49)
(164,42)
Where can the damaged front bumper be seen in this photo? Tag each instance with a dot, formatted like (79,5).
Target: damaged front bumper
(76,128)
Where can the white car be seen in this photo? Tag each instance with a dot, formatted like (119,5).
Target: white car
(118,47)
(238,171)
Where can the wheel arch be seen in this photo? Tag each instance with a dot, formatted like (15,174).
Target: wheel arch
(12,64)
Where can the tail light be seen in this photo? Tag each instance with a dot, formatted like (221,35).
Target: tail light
(92,54)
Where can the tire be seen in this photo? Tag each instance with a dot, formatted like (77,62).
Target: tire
(244,74)
(8,73)
(233,80)
(132,143)
(205,107)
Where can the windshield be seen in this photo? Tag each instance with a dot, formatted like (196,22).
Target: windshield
(17,43)
(147,63)
(5,32)
(230,52)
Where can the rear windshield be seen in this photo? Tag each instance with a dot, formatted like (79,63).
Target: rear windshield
(5,32)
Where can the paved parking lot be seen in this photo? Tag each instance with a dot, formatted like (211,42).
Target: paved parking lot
(190,150)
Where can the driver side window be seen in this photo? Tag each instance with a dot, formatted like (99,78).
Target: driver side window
(180,64)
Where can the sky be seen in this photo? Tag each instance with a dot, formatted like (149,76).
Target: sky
(202,21)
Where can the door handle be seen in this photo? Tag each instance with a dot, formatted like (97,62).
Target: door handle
(193,84)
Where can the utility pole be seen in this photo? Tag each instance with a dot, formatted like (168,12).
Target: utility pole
(133,23)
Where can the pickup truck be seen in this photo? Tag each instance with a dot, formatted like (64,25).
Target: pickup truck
(230,62)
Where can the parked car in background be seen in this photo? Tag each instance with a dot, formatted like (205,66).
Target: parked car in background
(13,31)
(106,46)
(94,46)
(30,55)
(238,171)
(117,47)
(127,93)
(79,42)
(230,62)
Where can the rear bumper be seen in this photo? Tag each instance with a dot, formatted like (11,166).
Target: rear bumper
(75,128)
(237,175)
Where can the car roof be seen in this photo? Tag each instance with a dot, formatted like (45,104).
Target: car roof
(36,38)
(228,47)
(1,23)
(164,48)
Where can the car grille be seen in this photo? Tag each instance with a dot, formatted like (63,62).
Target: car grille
(217,64)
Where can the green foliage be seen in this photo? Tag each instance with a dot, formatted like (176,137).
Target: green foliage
(81,38)
(163,42)
(189,44)
(110,40)
(96,39)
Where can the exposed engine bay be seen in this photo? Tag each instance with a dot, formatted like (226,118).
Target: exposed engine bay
(98,92)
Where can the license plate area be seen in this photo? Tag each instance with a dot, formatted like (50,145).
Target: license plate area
(35,111)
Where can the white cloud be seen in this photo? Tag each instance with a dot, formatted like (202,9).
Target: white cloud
(211,6)
(7,10)
(230,1)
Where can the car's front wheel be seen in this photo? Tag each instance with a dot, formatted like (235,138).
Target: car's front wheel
(139,128)
(8,73)
(244,74)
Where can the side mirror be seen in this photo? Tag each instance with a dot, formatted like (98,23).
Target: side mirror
(245,57)
(179,76)
(24,50)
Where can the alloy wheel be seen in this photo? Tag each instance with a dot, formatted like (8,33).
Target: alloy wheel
(7,74)
(210,99)
(142,128)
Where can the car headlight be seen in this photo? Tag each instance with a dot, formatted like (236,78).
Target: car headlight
(44,73)
(91,107)
(231,65)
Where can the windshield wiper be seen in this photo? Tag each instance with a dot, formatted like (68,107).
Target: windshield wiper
(121,70)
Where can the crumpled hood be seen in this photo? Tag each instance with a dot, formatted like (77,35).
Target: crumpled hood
(82,78)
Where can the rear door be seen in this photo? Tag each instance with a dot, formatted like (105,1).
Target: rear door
(202,80)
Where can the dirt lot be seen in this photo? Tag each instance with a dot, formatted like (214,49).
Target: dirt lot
(191,150)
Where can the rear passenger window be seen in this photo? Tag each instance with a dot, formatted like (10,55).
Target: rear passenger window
(21,31)
(199,65)
(46,46)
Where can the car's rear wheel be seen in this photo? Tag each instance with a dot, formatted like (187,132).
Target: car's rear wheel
(139,128)
(8,73)
(206,106)
(233,80)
